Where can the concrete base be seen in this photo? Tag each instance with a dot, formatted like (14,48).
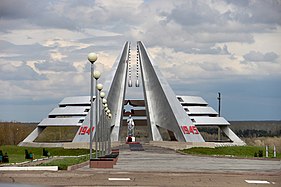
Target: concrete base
(114,157)
(165,144)
(66,145)
(116,151)
(181,145)
(115,160)
(41,144)
(187,145)
(102,163)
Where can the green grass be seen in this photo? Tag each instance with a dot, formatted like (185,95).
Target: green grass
(17,154)
(237,151)
(65,162)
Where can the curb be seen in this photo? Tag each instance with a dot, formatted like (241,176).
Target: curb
(33,168)
(74,167)
(25,162)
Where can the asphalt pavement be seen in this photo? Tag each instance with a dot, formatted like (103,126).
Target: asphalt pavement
(158,159)
(158,167)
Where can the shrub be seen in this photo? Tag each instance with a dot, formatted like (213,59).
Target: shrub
(260,153)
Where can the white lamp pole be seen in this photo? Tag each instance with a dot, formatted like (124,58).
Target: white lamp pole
(105,108)
(97,75)
(106,148)
(92,57)
(99,88)
(108,131)
(102,95)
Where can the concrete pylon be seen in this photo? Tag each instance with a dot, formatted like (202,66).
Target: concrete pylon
(114,86)
(163,108)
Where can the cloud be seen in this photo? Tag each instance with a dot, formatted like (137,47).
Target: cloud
(55,66)
(255,56)
(211,66)
(20,72)
(197,44)
(9,9)
(22,52)
(38,13)
(192,13)
(256,12)
(252,98)
(211,50)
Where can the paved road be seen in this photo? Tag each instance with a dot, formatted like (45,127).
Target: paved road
(101,178)
(165,160)
(159,167)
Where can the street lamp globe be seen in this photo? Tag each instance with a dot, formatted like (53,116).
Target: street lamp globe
(97,75)
(109,115)
(105,109)
(99,87)
(92,57)
(102,95)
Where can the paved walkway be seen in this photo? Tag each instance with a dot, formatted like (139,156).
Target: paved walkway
(155,159)
(158,167)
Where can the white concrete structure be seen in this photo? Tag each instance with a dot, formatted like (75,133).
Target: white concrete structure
(159,109)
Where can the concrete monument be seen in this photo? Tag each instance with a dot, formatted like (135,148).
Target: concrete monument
(160,107)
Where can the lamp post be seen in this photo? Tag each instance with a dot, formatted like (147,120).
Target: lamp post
(219,110)
(102,95)
(97,75)
(99,88)
(92,57)
(104,101)
(108,131)
(106,144)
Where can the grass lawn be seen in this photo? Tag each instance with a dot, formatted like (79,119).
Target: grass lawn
(17,154)
(237,151)
(65,162)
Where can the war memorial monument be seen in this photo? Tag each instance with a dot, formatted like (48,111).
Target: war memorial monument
(160,115)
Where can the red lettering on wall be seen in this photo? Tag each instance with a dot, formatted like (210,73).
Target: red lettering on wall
(189,129)
(185,130)
(80,130)
(195,130)
(85,130)
(88,131)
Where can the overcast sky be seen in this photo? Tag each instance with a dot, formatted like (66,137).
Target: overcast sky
(202,47)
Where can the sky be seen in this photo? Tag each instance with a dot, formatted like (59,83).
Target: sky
(202,48)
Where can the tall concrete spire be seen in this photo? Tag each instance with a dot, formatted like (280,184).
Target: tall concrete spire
(163,107)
